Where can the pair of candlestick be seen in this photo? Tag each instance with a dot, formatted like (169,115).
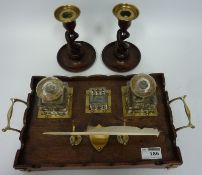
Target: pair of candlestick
(76,56)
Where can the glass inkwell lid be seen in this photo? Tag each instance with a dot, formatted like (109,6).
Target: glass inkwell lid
(50,89)
(143,85)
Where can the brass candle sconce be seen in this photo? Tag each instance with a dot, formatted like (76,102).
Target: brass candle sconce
(75,56)
(122,56)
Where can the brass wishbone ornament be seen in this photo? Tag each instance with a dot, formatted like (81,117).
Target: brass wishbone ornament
(99,141)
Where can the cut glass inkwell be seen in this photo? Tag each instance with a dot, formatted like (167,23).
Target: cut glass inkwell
(55,98)
(139,96)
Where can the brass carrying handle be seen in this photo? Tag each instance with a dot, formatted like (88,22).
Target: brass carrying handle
(187,111)
(10,113)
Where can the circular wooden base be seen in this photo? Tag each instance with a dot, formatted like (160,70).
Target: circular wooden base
(76,65)
(115,64)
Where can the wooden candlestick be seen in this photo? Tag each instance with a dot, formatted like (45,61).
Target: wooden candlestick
(122,56)
(75,56)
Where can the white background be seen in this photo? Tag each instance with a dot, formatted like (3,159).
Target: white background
(167,32)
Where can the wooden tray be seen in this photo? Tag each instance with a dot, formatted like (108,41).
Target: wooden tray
(45,152)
